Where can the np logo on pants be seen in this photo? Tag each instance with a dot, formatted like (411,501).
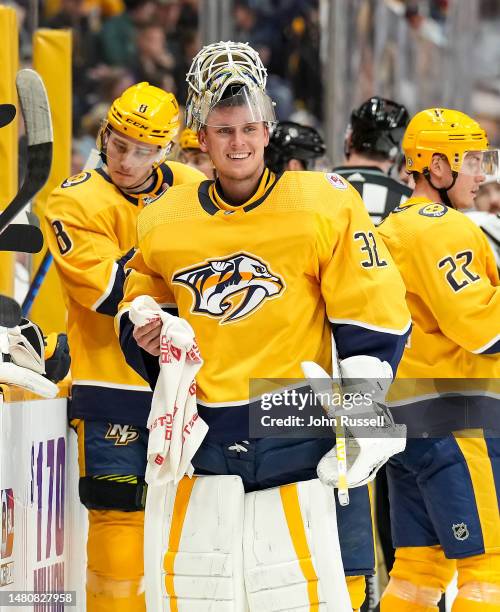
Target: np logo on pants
(122,434)
(460,531)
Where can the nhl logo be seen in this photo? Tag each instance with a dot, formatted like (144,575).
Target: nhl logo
(460,531)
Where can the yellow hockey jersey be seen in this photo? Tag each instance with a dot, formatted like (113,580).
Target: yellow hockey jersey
(453,291)
(262,283)
(91,233)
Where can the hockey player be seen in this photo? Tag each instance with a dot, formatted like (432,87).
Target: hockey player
(372,146)
(191,154)
(91,231)
(444,486)
(293,147)
(372,149)
(271,265)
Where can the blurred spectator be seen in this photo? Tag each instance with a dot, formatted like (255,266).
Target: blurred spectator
(118,34)
(72,14)
(168,13)
(280,92)
(488,197)
(153,62)
(104,8)
(189,47)
(304,62)
(112,83)
(250,27)
(188,19)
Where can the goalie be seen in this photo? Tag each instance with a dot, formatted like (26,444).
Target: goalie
(263,266)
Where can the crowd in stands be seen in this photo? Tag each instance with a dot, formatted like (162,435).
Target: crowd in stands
(120,42)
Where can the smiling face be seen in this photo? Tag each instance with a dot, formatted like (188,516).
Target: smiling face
(235,145)
(129,161)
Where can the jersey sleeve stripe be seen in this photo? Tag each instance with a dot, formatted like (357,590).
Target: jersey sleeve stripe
(109,385)
(109,289)
(491,347)
(356,340)
(376,328)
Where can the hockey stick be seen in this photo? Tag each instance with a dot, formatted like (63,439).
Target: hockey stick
(10,312)
(36,282)
(36,114)
(43,268)
(21,237)
(316,377)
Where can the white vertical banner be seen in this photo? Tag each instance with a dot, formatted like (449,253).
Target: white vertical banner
(43,523)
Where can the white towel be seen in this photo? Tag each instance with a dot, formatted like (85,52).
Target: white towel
(175,428)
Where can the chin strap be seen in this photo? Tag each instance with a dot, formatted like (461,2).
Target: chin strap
(140,187)
(443,191)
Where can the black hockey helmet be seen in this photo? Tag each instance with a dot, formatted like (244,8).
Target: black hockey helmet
(291,140)
(377,128)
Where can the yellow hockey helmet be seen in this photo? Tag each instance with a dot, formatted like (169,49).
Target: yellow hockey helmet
(188,139)
(441,130)
(146,113)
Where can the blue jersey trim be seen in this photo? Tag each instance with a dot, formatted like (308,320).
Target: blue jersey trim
(492,350)
(110,305)
(354,340)
(113,405)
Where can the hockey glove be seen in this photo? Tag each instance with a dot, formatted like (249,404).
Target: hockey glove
(370,441)
(22,359)
(57,357)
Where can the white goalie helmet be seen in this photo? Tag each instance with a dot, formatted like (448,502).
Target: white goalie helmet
(227,71)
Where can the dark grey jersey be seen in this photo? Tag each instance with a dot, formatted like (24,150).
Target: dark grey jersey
(379,192)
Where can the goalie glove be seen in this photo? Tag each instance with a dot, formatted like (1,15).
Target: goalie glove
(26,346)
(368,447)
(22,359)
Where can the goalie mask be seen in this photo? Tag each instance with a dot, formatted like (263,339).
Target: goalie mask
(227,75)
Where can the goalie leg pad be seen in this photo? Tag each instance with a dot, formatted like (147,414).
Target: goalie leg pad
(193,552)
(291,550)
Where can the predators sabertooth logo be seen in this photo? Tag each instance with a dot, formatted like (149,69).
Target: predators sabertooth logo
(231,288)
